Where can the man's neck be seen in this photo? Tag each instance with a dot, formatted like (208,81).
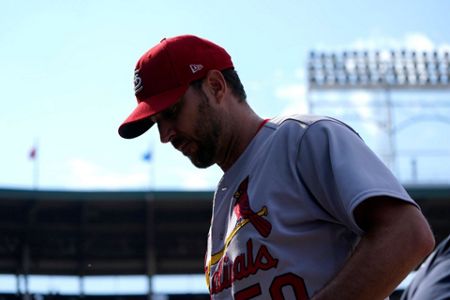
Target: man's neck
(241,136)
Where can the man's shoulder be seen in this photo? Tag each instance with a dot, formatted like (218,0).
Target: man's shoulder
(292,127)
(303,121)
(299,126)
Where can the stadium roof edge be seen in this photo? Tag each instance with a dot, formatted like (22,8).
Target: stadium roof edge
(429,190)
(415,190)
(103,195)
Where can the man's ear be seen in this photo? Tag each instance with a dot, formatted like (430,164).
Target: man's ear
(215,85)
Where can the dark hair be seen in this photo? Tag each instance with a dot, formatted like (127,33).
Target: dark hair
(232,79)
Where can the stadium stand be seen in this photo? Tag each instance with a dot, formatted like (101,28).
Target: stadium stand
(128,233)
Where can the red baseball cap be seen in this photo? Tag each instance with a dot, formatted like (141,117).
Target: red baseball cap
(163,74)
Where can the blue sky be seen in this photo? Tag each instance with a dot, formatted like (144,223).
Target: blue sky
(67,68)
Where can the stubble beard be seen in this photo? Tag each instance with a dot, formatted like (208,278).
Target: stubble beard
(207,131)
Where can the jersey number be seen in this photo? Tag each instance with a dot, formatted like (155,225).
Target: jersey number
(276,288)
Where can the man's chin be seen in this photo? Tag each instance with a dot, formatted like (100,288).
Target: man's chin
(201,164)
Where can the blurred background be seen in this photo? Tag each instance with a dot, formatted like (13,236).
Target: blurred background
(75,197)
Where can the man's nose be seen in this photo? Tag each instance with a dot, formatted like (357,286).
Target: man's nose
(166,131)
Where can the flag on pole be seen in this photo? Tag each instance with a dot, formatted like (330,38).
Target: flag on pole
(33,153)
(147,156)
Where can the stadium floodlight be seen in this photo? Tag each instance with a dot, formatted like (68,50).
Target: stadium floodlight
(379,70)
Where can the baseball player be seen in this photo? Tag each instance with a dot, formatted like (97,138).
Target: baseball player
(304,210)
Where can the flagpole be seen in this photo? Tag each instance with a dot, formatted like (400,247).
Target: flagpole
(34,155)
(148,157)
(150,243)
(151,172)
(36,166)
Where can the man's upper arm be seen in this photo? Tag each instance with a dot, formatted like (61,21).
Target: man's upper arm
(399,219)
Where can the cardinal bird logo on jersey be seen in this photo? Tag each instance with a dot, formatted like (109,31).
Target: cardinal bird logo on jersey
(245,215)
(244,212)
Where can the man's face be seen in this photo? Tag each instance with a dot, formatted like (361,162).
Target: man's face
(192,126)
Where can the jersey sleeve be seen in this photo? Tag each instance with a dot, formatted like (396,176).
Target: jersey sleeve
(340,171)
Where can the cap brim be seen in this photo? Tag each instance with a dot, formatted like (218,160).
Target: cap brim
(139,121)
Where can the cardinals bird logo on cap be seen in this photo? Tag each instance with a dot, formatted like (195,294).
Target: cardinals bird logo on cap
(137,82)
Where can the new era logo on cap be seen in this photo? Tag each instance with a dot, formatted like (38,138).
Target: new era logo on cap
(195,68)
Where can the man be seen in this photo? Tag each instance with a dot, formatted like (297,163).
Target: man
(432,280)
(304,209)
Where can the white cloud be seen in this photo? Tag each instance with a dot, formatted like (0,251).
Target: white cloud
(253,86)
(444,47)
(295,97)
(300,74)
(193,179)
(419,42)
(373,43)
(85,174)
(365,111)
(411,41)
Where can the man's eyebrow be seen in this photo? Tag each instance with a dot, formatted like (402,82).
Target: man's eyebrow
(156,117)
(173,108)
(153,118)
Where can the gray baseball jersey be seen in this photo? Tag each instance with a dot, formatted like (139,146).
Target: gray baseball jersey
(282,223)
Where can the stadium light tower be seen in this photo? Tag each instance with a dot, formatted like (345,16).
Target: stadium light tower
(379,70)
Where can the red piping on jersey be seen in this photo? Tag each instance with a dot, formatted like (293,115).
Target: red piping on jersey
(262,124)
